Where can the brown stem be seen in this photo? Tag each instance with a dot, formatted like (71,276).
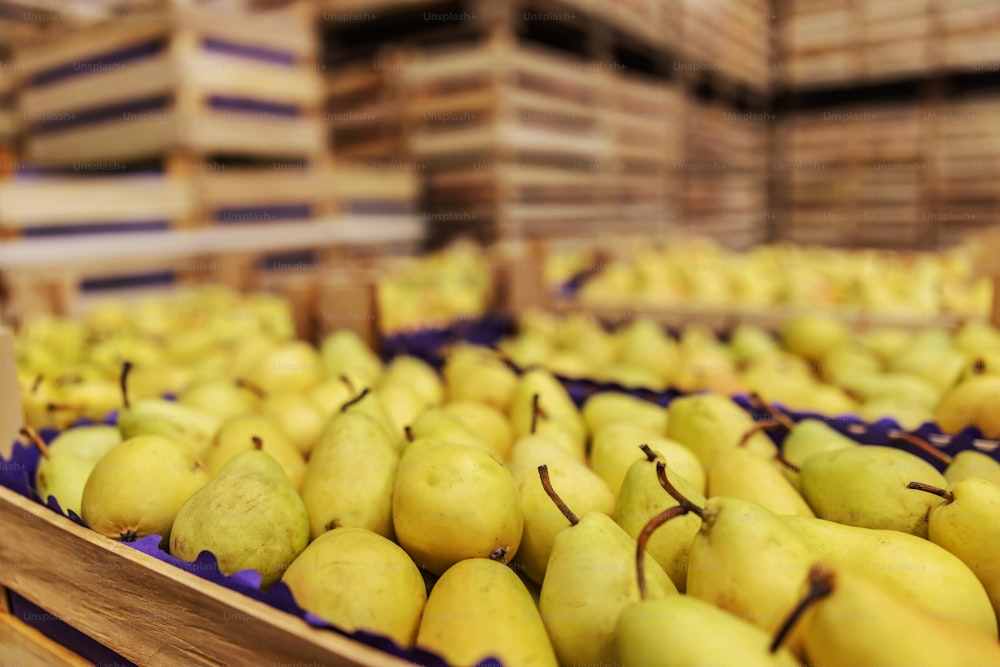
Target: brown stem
(644,535)
(32,435)
(408,432)
(254,389)
(661,475)
(346,380)
(536,412)
(258,444)
(354,401)
(922,445)
(63,407)
(123,383)
(821,584)
(785,462)
(37,383)
(937,491)
(979,366)
(777,414)
(543,474)
(650,454)
(757,428)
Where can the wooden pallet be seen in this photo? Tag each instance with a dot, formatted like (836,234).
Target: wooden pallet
(188,78)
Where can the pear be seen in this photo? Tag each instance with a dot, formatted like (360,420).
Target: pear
(590,579)
(500,621)
(553,400)
(237,435)
(359,580)
(452,502)
(474,373)
(866,487)
(331,394)
(643,343)
(418,376)
(344,353)
(581,488)
(813,336)
(616,447)
(641,497)
(976,338)
(155,416)
(300,419)
(220,397)
(740,473)
(845,620)
(293,367)
(402,405)
(915,568)
(709,423)
(437,424)
(931,356)
(971,403)
(249,517)
(749,343)
(68,461)
(93,398)
(532,451)
(137,488)
(609,407)
(964,522)
(350,477)
(972,463)
(809,437)
(486,422)
(368,402)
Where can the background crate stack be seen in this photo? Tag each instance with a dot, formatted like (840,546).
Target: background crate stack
(969,34)
(817,43)
(897,39)
(724,37)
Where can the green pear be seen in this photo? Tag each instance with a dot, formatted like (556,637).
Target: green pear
(894,385)
(500,621)
(485,422)
(740,473)
(553,400)
(532,451)
(370,403)
(972,463)
(237,435)
(812,336)
(976,338)
(344,353)
(402,405)
(294,366)
(299,418)
(644,343)
(845,620)
(810,437)
(609,407)
(249,517)
(437,424)
(137,488)
(68,461)
(473,373)
(909,416)
(930,355)
(616,447)
(884,342)
(709,423)
(331,394)
(418,376)
(964,521)
(866,487)
(641,497)
(971,403)
(581,488)
(590,579)
(93,398)
(156,416)
(919,570)
(359,580)
(451,502)
(749,343)
(220,397)
(350,477)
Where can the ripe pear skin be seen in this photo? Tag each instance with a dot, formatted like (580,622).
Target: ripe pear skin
(473,373)
(358,580)
(350,477)
(418,376)
(137,488)
(866,487)
(452,502)
(682,631)
(971,463)
(300,419)
(344,353)
(249,516)
(553,400)
(486,422)
(612,407)
(967,527)
(809,437)
(236,436)
(500,620)
(922,572)
(747,561)
(739,473)
(641,498)
(437,424)
(589,581)
(971,403)
(709,423)
(181,423)
(862,623)
(616,447)
(72,456)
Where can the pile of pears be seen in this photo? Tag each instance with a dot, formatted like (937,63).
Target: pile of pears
(813,364)
(479,514)
(646,272)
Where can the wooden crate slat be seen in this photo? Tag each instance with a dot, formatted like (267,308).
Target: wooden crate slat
(215,74)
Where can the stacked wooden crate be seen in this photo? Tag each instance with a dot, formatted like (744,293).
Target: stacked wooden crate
(731,38)
(969,33)
(818,43)
(725,173)
(896,38)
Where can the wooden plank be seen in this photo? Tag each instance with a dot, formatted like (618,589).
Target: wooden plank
(150,612)
(24,646)
(245,187)
(147,137)
(77,46)
(214,74)
(11,414)
(287,30)
(210,131)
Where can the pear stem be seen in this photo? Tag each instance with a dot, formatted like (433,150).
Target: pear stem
(948,496)
(355,400)
(979,366)
(258,444)
(775,413)
(661,475)
(650,454)
(123,383)
(922,445)
(346,380)
(757,428)
(543,474)
(644,535)
(254,389)
(821,584)
(785,462)
(536,412)
(32,435)
(37,383)
(408,432)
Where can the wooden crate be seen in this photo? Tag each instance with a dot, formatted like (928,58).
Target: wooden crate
(8,108)
(970,34)
(364,108)
(190,79)
(379,188)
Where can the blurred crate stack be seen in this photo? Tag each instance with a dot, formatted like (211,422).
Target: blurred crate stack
(969,33)
(818,43)
(724,173)
(730,38)
(896,38)
(966,165)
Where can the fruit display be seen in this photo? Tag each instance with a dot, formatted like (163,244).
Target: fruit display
(478,513)
(812,364)
(699,271)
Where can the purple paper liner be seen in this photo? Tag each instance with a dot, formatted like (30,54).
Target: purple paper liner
(429,344)
(17,474)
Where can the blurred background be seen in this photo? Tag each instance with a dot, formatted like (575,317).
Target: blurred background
(722,153)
